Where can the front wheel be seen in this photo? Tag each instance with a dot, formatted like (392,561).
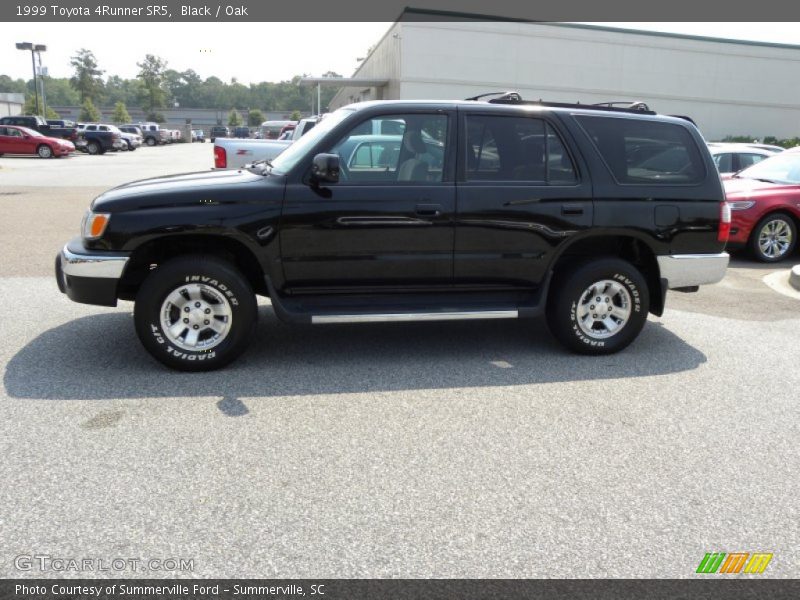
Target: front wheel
(150,142)
(598,307)
(774,238)
(44,151)
(195,313)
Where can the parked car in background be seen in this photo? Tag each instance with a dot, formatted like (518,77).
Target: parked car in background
(154,134)
(765,207)
(271,130)
(67,132)
(731,158)
(241,132)
(101,138)
(132,140)
(218,131)
(235,154)
(21,140)
(198,135)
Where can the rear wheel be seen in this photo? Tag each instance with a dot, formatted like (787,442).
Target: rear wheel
(93,148)
(599,307)
(44,151)
(773,238)
(150,141)
(195,313)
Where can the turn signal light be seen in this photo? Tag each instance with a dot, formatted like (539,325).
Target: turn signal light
(724,231)
(94,225)
(220,158)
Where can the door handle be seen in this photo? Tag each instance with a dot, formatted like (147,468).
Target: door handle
(429,210)
(572,209)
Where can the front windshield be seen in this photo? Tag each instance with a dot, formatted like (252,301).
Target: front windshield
(287,159)
(781,168)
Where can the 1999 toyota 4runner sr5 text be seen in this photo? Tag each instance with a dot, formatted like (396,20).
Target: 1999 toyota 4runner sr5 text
(401,211)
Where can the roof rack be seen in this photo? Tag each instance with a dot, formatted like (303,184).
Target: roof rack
(617,106)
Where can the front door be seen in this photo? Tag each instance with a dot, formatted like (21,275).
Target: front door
(389,219)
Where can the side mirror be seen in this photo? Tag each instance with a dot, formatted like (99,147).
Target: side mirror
(325,168)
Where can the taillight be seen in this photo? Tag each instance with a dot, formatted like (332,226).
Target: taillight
(724,222)
(220,158)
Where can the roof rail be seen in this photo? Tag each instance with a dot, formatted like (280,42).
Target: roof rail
(617,106)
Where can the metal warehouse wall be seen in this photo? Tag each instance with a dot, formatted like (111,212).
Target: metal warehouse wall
(729,88)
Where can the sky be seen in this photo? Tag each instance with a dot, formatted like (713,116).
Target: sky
(254,52)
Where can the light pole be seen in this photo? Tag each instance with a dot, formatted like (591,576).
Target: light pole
(35,49)
(39,48)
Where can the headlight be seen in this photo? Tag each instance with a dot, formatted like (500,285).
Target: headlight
(742,204)
(94,225)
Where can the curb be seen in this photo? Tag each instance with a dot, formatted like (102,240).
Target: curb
(794,277)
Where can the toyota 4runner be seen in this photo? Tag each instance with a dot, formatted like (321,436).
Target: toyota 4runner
(472,209)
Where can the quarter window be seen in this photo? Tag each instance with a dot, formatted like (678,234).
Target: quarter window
(645,152)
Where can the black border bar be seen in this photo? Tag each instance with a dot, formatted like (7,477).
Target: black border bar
(391,10)
(714,588)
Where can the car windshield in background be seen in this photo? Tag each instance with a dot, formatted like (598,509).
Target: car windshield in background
(287,159)
(781,168)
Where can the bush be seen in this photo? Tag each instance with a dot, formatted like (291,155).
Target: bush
(89,113)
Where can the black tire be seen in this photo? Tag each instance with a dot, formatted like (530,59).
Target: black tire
(570,295)
(93,148)
(150,141)
(130,146)
(218,279)
(44,151)
(212,140)
(771,225)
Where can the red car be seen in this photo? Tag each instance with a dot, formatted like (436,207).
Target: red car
(765,206)
(21,140)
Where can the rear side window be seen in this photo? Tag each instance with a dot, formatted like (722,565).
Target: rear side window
(724,162)
(645,152)
(502,148)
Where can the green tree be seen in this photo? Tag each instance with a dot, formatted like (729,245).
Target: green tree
(255,117)
(29,108)
(87,78)
(89,113)
(120,114)
(151,74)
(295,115)
(234,118)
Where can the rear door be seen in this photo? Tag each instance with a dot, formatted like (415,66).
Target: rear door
(521,192)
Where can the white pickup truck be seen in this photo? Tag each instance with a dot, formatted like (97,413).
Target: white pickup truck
(235,153)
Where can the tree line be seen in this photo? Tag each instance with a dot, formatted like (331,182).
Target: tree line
(157,87)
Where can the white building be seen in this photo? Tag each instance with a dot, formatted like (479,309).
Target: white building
(728,87)
(11,104)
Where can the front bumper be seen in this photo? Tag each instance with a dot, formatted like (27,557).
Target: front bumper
(88,276)
(690,270)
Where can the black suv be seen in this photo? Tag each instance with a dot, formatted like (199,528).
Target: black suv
(401,211)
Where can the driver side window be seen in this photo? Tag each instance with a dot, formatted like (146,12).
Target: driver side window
(394,149)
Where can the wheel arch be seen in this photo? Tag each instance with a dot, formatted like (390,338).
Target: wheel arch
(631,248)
(146,257)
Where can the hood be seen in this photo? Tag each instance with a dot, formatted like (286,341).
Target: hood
(209,187)
(743,187)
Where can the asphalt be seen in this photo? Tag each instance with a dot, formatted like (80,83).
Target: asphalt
(477,449)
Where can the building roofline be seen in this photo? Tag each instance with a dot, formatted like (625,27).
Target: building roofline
(444,15)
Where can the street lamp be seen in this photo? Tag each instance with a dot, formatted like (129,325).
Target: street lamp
(35,49)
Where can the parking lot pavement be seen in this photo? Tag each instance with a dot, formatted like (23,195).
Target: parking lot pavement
(106,170)
(475,449)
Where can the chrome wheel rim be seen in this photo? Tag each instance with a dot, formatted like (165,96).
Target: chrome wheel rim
(603,309)
(45,152)
(196,317)
(775,238)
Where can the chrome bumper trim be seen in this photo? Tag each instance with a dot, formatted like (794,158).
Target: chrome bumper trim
(101,266)
(687,270)
(399,317)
